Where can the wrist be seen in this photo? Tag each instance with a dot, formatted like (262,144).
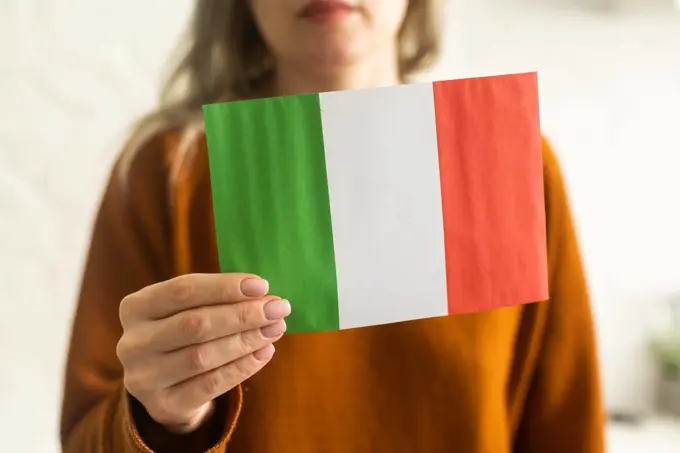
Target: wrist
(194,422)
(200,434)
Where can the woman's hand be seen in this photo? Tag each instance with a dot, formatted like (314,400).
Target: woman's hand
(188,340)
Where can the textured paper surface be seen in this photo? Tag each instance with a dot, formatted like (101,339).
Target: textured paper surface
(494,207)
(271,204)
(383,205)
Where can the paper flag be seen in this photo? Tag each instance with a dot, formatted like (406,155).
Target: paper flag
(383,205)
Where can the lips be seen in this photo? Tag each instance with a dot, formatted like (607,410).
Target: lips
(326,11)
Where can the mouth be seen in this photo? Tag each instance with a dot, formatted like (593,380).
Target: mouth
(326,11)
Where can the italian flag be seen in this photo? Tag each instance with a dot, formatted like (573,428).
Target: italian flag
(384,205)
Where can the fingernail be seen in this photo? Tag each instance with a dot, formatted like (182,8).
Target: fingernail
(274,330)
(264,353)
(254,287)
(276,309)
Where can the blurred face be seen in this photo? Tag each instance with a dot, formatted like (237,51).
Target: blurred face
(326,34)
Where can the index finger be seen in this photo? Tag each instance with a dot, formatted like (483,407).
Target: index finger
(182,293)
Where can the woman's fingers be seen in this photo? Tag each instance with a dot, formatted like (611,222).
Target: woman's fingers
(175,367)
(208,386)
(204,324)
(170,297)
(188,340)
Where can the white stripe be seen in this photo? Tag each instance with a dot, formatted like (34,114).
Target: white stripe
(385,196)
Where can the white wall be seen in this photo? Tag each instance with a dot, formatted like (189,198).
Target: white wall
(74,73)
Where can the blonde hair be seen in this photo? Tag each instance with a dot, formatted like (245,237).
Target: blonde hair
(223,57)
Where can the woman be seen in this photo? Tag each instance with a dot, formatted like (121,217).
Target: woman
(168,355)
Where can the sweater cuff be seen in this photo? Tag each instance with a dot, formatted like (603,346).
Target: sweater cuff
(145,435)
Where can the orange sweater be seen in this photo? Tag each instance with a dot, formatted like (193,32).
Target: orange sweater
(520,379)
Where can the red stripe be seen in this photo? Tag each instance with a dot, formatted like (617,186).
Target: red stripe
(490,161)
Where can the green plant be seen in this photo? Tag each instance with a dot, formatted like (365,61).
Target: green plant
(666,351)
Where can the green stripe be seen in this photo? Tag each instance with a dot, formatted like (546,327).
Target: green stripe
(271,202)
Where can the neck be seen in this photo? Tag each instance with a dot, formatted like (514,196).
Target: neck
(291,79)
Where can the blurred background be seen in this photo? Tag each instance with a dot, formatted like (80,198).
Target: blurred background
(75,73)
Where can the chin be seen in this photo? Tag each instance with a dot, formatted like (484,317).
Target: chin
(330,57)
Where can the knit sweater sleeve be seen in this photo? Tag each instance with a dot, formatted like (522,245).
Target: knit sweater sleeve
(563,412)
(129,249)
